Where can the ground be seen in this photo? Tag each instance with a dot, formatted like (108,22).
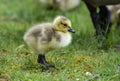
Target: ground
(82,60)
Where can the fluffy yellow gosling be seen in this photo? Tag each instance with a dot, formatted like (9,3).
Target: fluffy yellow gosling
(49,36)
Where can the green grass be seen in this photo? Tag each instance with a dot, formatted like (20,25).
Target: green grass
(18,61)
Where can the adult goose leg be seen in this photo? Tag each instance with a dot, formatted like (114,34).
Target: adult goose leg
(104,20)
(100,19)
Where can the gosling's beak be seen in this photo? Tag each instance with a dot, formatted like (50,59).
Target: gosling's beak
(71,30)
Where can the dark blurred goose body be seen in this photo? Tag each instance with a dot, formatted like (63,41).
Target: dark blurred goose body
(97,3)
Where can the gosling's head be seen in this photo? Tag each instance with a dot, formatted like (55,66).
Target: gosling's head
(62,24)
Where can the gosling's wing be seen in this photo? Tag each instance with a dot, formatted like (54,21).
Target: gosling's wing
(42,33)
(47,34)
(32,34)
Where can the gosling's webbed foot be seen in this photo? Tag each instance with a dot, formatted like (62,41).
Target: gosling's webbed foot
(42,60)
(49,67)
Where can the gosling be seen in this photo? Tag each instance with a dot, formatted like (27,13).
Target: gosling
(115,14)
(63,5)
(49,36)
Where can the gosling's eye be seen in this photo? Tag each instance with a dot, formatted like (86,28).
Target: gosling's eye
(65,25)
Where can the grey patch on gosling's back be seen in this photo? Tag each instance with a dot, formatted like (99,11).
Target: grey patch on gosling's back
(48,35)
(37,33)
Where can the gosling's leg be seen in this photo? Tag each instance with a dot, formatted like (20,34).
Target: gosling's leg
(42,60)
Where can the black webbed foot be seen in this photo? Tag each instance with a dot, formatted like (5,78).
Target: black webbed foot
(42,60)
(48,67)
